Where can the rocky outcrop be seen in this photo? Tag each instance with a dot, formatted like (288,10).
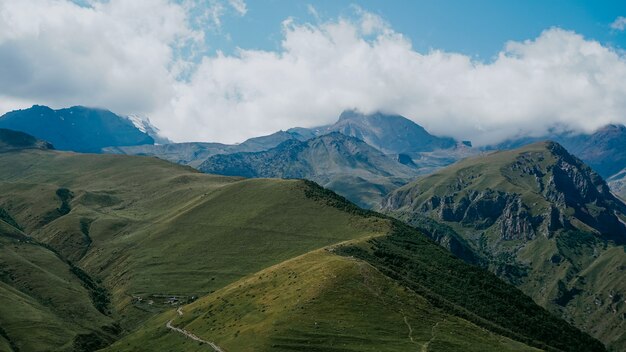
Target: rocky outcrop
(481,210)
(516,221)
(535,191)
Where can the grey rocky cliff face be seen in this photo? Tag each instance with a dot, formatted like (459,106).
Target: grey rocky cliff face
(574,185)
(481,210)
(516,222)
(565,188)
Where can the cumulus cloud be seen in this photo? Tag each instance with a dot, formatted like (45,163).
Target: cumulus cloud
(109,55)
(619,24)
(558,80)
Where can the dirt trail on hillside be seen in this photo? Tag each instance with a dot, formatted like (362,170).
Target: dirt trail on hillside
(188,334)
(406,321)
(432,338)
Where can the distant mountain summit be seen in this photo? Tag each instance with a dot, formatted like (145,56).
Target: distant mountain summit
(604,150)
(391,134)
(195,153)
(144,125)
(342,163)
(77,128)
(539,218)
(15,140)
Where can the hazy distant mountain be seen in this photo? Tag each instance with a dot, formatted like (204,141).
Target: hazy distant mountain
(398,137)
(539,218)
(391,134)
(194,153)
(77,128)
(342,163)
(258,144)
(604,150)
(617,183)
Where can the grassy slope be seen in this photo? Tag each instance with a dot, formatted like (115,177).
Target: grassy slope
(466,290)
(317,302)
(473,174)
(145,226)
(159,228)
(573,274)
(44,306)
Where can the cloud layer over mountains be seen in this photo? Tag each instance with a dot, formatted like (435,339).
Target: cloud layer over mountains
(145,57)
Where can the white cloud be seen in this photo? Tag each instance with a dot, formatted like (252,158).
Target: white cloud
(114,55)
(313,12)
(107,54)
(619,24)
(215,12)
(239,6)
(557,79)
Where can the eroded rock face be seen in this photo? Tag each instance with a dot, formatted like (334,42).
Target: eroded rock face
(481,210)
(537,192)
(516,221)
(574,185)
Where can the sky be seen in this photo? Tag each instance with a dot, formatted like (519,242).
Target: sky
(227,70)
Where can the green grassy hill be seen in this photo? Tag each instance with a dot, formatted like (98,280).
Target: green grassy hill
(317,302)
(538,218)
(145,236)
(45,303)
(150,227)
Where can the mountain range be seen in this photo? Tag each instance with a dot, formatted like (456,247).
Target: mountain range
(347,165)
(195,153)
(392,150)
(391,134)
(131,253)
(513,246)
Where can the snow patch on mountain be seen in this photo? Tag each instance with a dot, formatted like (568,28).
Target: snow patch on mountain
(143,124)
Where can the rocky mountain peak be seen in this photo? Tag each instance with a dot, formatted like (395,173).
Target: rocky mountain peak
(519,194)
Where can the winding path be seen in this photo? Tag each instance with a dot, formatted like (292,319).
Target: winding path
(188,334)
(406,321)
(432,334)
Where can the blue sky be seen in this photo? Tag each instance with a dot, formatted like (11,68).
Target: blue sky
(227,70)
(478,28)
